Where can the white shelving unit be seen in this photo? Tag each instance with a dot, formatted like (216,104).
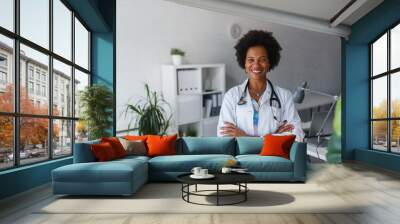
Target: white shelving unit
(194,92)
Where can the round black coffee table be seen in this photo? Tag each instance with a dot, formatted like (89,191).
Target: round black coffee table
(238,179)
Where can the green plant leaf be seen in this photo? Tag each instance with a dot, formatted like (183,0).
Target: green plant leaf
(149,114)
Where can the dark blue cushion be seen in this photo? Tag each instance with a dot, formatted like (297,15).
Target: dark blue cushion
(83,153)
(207,145)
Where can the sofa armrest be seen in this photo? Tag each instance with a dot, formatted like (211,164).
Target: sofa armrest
(298,155)
(83,153)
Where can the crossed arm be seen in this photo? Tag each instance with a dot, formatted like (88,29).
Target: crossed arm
(230,129)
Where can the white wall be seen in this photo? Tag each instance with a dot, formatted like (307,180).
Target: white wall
(148,29)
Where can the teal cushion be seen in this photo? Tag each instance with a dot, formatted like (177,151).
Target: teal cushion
(249,145)
(185,163)
(111,171)
(257,163)
(133,157)
(83,152)
(208,145)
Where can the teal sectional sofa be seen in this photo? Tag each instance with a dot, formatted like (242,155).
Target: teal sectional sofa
(125,176)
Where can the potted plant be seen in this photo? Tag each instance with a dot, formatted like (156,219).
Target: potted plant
(96,102)
(177,56)
(150,115)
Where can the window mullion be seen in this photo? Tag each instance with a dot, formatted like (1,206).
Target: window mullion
(389,106)
(73,82)
(16,84)
(371,89)
(17,73)
(50,81)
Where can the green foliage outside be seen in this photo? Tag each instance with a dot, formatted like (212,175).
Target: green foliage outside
(96,102)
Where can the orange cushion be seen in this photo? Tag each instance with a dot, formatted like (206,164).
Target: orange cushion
(161,145)
(277,145)
(116,145)
(136,137)
(103,152)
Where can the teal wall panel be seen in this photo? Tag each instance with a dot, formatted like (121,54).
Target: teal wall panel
(102,58)
(103,64)
(379,159)
(24,178)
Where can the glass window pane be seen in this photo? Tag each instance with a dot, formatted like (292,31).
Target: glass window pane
(7,14)
(81,131)
(62,29)
(379,97)
(81,81)
(6,142)
(81,45)
(6,74)
(35,21)
(379,55)
(33,139)
(395,47)
(62,138)
(34,72)
(395,94)
(395,136)
(379,135)
(62,89)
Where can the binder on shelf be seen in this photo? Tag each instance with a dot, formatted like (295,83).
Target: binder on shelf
(219,99)
(214,98)
(188,81)
(208,106)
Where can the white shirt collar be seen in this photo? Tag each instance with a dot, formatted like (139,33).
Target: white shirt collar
(264,97)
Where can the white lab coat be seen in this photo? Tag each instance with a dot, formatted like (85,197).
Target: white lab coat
(242,115)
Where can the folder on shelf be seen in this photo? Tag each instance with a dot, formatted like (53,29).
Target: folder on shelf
(214,98)
(208,106)
(219,99)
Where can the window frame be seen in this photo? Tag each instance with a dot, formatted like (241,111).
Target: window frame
(16,114)
(388,74)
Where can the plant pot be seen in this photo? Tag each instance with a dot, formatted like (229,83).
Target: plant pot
(177,59)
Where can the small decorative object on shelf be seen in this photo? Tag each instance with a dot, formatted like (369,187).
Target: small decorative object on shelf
(191,132)
(177,56)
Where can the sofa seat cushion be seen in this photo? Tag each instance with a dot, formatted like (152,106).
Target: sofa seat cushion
(133,158)
(185,163)
(257,163)
(112,171)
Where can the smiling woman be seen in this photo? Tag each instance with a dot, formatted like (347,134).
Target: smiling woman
(257,107)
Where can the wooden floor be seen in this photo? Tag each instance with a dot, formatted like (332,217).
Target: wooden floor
(379,189)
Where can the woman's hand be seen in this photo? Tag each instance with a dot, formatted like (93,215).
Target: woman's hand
(285,127)
(230,129)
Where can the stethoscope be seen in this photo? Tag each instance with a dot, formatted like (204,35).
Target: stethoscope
(273,98)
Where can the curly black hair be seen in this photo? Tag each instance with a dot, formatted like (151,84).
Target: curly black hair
(258,38)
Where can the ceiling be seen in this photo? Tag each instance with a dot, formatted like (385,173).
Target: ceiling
(328,16)
(319,9)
